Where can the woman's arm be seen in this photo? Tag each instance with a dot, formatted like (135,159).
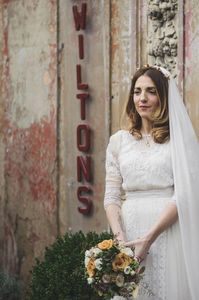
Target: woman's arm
(112,197)
(168,217)
(113,213)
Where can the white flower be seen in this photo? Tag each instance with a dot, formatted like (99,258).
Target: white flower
(98,264)
(106,278)
(88,253)
(127,251)
(90,280)
(127,270)
(119,280)
(132,272)
(86,260)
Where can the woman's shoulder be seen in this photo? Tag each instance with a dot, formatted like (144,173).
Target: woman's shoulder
(120,138)
(119,134)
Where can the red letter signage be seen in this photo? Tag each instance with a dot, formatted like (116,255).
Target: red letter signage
(83,131)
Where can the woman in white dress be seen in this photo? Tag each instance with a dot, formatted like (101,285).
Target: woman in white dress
(139,162)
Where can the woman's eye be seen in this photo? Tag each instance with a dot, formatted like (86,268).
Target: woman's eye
(152,92)
(136,92)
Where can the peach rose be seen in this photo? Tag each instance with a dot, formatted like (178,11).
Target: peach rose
(121,261)
(91,267)
(105,245)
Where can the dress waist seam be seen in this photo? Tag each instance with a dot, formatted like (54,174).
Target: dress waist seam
(163,193)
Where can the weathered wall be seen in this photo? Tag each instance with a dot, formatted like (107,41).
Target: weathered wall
(191,60)
(128,50)
(95,73)
(28,130)
(2,147)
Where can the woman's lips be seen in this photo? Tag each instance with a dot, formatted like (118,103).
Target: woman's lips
(144,106)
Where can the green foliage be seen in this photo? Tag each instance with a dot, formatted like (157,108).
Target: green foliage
(61,275)
(9,287)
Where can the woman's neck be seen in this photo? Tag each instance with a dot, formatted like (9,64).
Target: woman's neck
(146,127)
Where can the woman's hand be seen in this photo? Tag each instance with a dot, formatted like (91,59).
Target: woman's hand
(141,246)
(120,238)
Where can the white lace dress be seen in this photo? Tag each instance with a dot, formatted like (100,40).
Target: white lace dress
(145,174)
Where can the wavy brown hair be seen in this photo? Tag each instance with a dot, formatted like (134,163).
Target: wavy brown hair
(160,128)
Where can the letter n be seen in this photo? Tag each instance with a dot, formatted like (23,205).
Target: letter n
(84,168)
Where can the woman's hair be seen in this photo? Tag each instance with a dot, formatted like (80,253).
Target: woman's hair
(160,118)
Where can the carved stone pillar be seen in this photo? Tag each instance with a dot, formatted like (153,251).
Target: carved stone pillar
(162,34)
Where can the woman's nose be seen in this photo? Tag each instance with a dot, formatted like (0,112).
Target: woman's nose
(143,96)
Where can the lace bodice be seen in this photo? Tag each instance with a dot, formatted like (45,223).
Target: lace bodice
(132,165)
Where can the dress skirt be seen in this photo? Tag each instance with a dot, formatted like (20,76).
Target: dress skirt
(165,277)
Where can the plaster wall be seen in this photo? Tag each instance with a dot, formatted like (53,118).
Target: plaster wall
(191,61)
(2,147)
(128,50)
(28,131)
(95,68)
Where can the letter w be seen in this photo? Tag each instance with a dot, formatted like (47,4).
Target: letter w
(80,17)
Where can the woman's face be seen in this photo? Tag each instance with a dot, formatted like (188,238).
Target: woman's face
(145,97)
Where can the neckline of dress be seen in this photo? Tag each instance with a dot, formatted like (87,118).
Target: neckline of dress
(146,138)
(146,134)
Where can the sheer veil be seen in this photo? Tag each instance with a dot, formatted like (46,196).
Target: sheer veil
(185,161)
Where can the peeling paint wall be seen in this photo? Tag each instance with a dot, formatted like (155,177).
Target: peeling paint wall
(191,61)
(95,72)
(28,130)
(2,147)
(128,51)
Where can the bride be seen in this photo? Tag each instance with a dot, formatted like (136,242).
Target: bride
(156,164)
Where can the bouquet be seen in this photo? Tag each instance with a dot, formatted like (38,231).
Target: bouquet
(112,269)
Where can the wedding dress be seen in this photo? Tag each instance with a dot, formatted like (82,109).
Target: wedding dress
(142,171)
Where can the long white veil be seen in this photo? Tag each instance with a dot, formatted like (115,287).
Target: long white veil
(185,161)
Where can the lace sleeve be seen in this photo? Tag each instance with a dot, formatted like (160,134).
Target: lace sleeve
(173,198)
(113,176)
